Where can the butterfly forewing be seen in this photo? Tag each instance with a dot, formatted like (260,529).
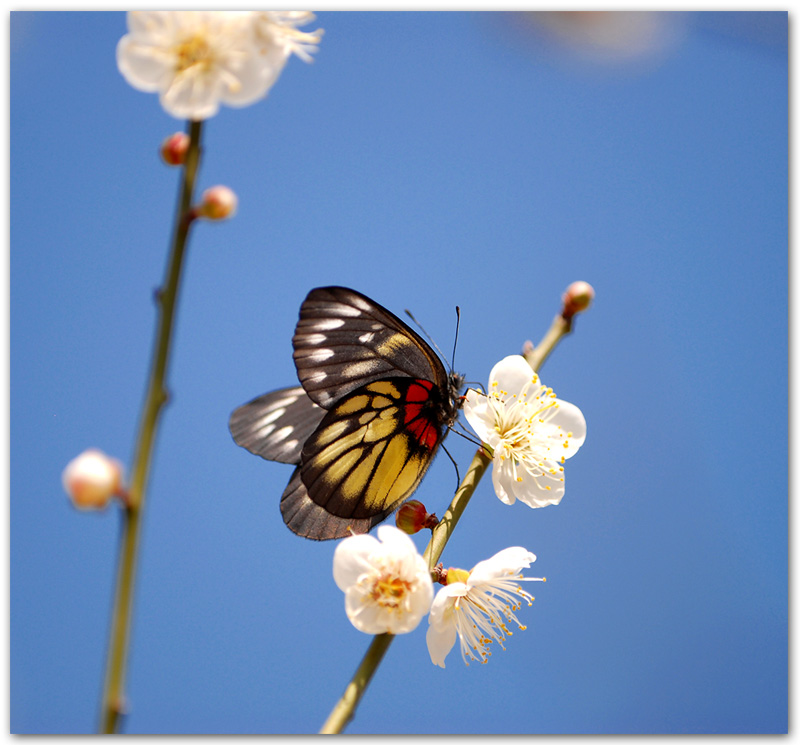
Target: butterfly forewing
(344,340)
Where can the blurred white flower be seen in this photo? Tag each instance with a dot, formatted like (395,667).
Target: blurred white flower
(279,28)
(477,605)
(530,431)
(92,479)
(196,60)
(386,583)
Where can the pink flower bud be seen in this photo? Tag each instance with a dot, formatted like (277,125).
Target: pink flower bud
(218,203)
(174,149)
(577,298)
(413,517)
(92,479)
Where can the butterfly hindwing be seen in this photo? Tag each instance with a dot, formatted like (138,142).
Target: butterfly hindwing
(344,340)
(276,425)
(372,448)
(309,520)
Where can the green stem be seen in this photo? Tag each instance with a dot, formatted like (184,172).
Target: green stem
(113,702)
(442,532)
(343,711)
(558,330)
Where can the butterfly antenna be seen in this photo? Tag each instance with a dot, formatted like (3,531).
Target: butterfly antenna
(422,328)
(455,342)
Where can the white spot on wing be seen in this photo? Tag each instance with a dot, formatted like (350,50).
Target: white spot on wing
(320,355)
(346,310)
(270,417)
(282,433)
(361,303)
(360,368)
(314,338)
(327,324)
(317,375)
(365,338)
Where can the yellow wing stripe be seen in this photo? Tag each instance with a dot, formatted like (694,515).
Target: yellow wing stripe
(385,388)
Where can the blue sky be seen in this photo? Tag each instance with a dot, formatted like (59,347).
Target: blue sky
(427,160)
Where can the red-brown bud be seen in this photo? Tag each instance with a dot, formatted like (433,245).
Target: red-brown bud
(413,517)
(217,203)
(174,149)
(577,298)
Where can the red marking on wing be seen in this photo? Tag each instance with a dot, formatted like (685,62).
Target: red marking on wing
(419,391)
(417,423)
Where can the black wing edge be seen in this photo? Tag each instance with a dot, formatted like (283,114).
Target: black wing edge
(260,425)
(308,520)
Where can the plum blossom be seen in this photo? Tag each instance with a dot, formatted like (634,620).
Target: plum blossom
(386,582)
(477,605)
(530,432)
(195,60)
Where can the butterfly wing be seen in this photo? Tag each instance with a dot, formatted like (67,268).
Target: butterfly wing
(277,424)
(309,520)
(367,456)
(344,340)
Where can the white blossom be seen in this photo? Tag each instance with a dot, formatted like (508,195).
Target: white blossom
(196,60)
(477,606)
(530,431)
(386,582)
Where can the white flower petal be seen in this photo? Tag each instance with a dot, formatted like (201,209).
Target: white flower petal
(143,69)
(538,491)
(570,418)
(503,480)
(440,641)
(509,561)
(511,374)
(351,559)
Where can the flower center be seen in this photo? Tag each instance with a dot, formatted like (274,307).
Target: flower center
(388,590)
(193,51)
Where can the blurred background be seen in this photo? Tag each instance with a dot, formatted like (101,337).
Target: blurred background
(427,159)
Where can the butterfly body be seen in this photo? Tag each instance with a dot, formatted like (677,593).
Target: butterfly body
(374,406)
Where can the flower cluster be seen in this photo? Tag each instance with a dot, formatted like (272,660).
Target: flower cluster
(196,60)
(388,589)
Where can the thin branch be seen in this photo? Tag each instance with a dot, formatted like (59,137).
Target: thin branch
(113,702)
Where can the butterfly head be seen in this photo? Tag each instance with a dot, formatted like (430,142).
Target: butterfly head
(455,382)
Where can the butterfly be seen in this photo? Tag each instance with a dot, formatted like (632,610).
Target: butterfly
(374,404)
